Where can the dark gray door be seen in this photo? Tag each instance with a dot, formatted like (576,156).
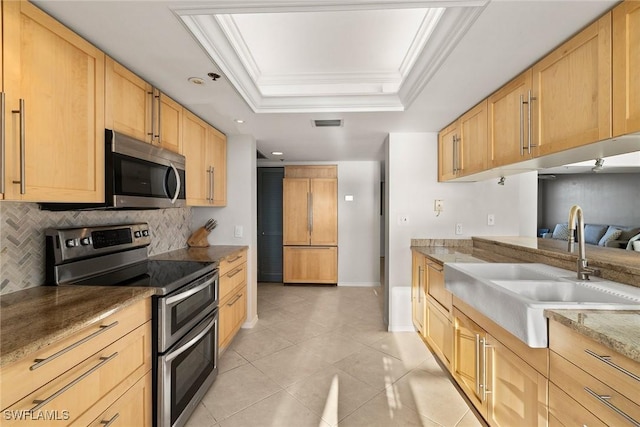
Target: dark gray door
(270,224)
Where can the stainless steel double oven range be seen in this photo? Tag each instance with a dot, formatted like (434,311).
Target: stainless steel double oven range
(185,305)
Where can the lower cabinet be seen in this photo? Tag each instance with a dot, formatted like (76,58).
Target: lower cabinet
(439,333)
(132,409)
(418,292)
(233,296)
(310,264)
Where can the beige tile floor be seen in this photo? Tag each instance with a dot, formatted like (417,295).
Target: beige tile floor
(320,356)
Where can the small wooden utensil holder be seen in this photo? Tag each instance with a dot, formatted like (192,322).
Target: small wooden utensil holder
(199,239)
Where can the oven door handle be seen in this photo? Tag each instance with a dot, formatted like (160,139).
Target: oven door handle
(169,357)
(178,183)
(184,295)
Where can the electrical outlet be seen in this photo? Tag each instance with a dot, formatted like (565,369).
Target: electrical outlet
(403,219)
(238,231)
(438,205)
(459,228)
(491,219)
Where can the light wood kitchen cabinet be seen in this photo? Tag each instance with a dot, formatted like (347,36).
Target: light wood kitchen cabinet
(418,291)
(83,375)
(310,264)
(572,91)
(436,289)
(595,380)
(439,332)
(133,408)
(2,113)
(448,147)
(474,140)
(626,68)
(233,296)
(509,132)
(468,359)
(54,112)
(137,109)
(205,151)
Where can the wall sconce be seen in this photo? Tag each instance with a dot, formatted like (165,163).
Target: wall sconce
(502,180)
(598,167)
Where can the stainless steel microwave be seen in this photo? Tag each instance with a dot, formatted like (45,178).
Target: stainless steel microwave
(138,175)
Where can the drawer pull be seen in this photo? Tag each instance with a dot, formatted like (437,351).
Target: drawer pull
(107,423)
(233,273)
(604,399)
(235,259)
(40,403)
(40,362)
(229,304)
(607,360)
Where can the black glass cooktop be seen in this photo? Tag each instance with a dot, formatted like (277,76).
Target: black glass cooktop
(164,276)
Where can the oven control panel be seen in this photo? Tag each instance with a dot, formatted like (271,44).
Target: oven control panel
(73,243)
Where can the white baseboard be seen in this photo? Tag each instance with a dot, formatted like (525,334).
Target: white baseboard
(401,328)
(250,323)
(360,284)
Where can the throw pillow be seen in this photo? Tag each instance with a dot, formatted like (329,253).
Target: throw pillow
(593,233)
(629,232)
(612,233)
(561,232)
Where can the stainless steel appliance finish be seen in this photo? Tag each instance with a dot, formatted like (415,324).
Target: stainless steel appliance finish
(137,176)
(185,307)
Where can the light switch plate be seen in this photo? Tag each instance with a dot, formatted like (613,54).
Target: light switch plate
(238,231)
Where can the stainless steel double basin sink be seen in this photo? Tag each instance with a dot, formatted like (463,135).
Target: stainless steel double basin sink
(516,295)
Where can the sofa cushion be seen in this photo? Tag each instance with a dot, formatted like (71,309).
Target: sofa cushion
(628,232)
(561,232)
(612,233)
(593,233)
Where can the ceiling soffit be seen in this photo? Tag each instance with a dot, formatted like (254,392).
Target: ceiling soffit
(300,56)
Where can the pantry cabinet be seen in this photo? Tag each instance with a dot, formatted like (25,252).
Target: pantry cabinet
(205,151)
(626,68)
(54,109)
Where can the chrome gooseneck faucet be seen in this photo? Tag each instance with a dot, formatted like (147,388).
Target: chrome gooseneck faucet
(584,271)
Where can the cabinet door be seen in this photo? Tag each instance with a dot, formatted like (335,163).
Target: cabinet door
(474,140)
(217,155)
(133,408)
(233,313)
(295,210)
(468,363)
(439,333)
(417,291)
(626,66)
(324,212)
(508,122)
(517,393)
(59,79)
(572,87)
(128,102)
(194,133)
(447,152)
(310,264)
(170,123)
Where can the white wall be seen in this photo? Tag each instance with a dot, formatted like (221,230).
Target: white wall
(412,186)
(358,221)
(241,210)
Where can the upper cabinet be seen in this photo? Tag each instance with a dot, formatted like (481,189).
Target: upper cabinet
(626,68)
(448,145)
(205,150)
(572,91)
(54,109)
(135,108)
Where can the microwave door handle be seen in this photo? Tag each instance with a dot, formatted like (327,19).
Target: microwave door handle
(191,342)
(178,183)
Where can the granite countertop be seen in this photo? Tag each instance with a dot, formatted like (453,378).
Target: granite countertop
(34,318)
(442,254)
(617,330)
(212,253)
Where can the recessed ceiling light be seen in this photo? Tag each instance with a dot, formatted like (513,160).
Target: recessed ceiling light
(239,121)
(196,80)
(277,153)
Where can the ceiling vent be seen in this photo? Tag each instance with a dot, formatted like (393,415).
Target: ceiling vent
(260,155)
(333,123)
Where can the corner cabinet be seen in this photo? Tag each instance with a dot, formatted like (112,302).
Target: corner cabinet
(626,68)
(205,150)
(54,109)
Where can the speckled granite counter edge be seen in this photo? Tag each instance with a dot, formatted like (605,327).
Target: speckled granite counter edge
(214,253)
(627,349)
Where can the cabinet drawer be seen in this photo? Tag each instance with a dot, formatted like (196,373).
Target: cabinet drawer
(586,390)
(232,279)
(232,261)
(436,287)
(24,376)
(88,388)
(565,411)
(598,360)
(233,312)
(133,408)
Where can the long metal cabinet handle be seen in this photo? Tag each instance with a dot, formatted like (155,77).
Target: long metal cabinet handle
(230,261)
(178,183)
(192,342)
(2,143)
(41,403)
(110,421)
(477,360)
(152,94)
(607,360)
(209,184)
(230,303)
(521,125)
(234,272)
(311,213)
(213,185)
(485,389)
(21,112)
(529,103)
(604,399)
(184,295)
(159,134)
(102,330)
(419,282)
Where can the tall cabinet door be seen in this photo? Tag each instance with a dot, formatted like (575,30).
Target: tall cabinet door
(56,82)
(473,134)
(169,123)
(296,202)
(194,133)
(217,155)
(626,63)
(324,212)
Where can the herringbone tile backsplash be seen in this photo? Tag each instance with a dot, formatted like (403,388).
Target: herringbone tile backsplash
(22,228)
